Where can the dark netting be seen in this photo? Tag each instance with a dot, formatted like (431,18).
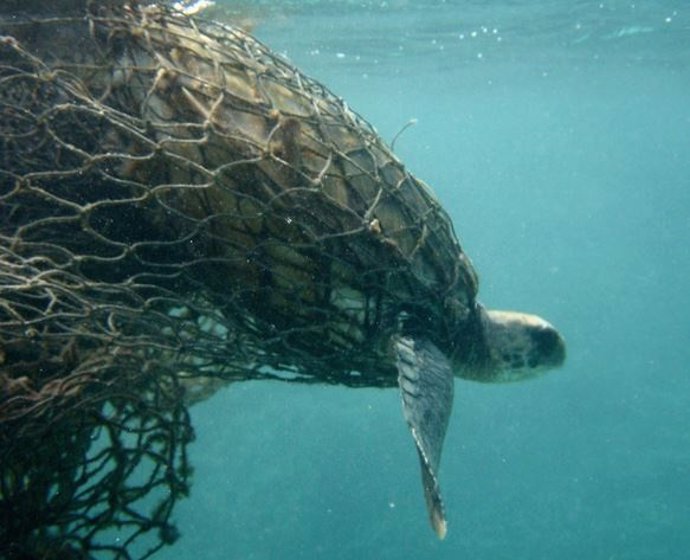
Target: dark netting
(180,208)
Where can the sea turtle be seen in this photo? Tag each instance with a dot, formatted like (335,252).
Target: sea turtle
(287,210)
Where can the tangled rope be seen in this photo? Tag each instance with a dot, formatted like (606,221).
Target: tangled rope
(180,208)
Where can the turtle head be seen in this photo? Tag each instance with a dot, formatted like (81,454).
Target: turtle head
(514,346)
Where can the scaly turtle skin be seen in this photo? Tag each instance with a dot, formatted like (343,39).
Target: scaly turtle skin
(296,219)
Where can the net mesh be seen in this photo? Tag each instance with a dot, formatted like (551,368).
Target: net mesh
(180,208)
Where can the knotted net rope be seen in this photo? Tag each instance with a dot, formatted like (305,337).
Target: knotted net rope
(181,208)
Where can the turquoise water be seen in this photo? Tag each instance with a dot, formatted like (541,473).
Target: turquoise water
(557,135)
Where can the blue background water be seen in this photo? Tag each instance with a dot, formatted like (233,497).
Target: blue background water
(557,135)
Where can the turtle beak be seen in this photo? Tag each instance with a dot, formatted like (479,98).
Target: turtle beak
(548,344)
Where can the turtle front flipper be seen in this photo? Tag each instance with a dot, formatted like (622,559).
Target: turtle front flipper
(425,378)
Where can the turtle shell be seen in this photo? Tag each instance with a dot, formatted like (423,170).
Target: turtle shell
(214,161)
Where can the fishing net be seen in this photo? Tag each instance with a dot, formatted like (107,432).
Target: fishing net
(180,209)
